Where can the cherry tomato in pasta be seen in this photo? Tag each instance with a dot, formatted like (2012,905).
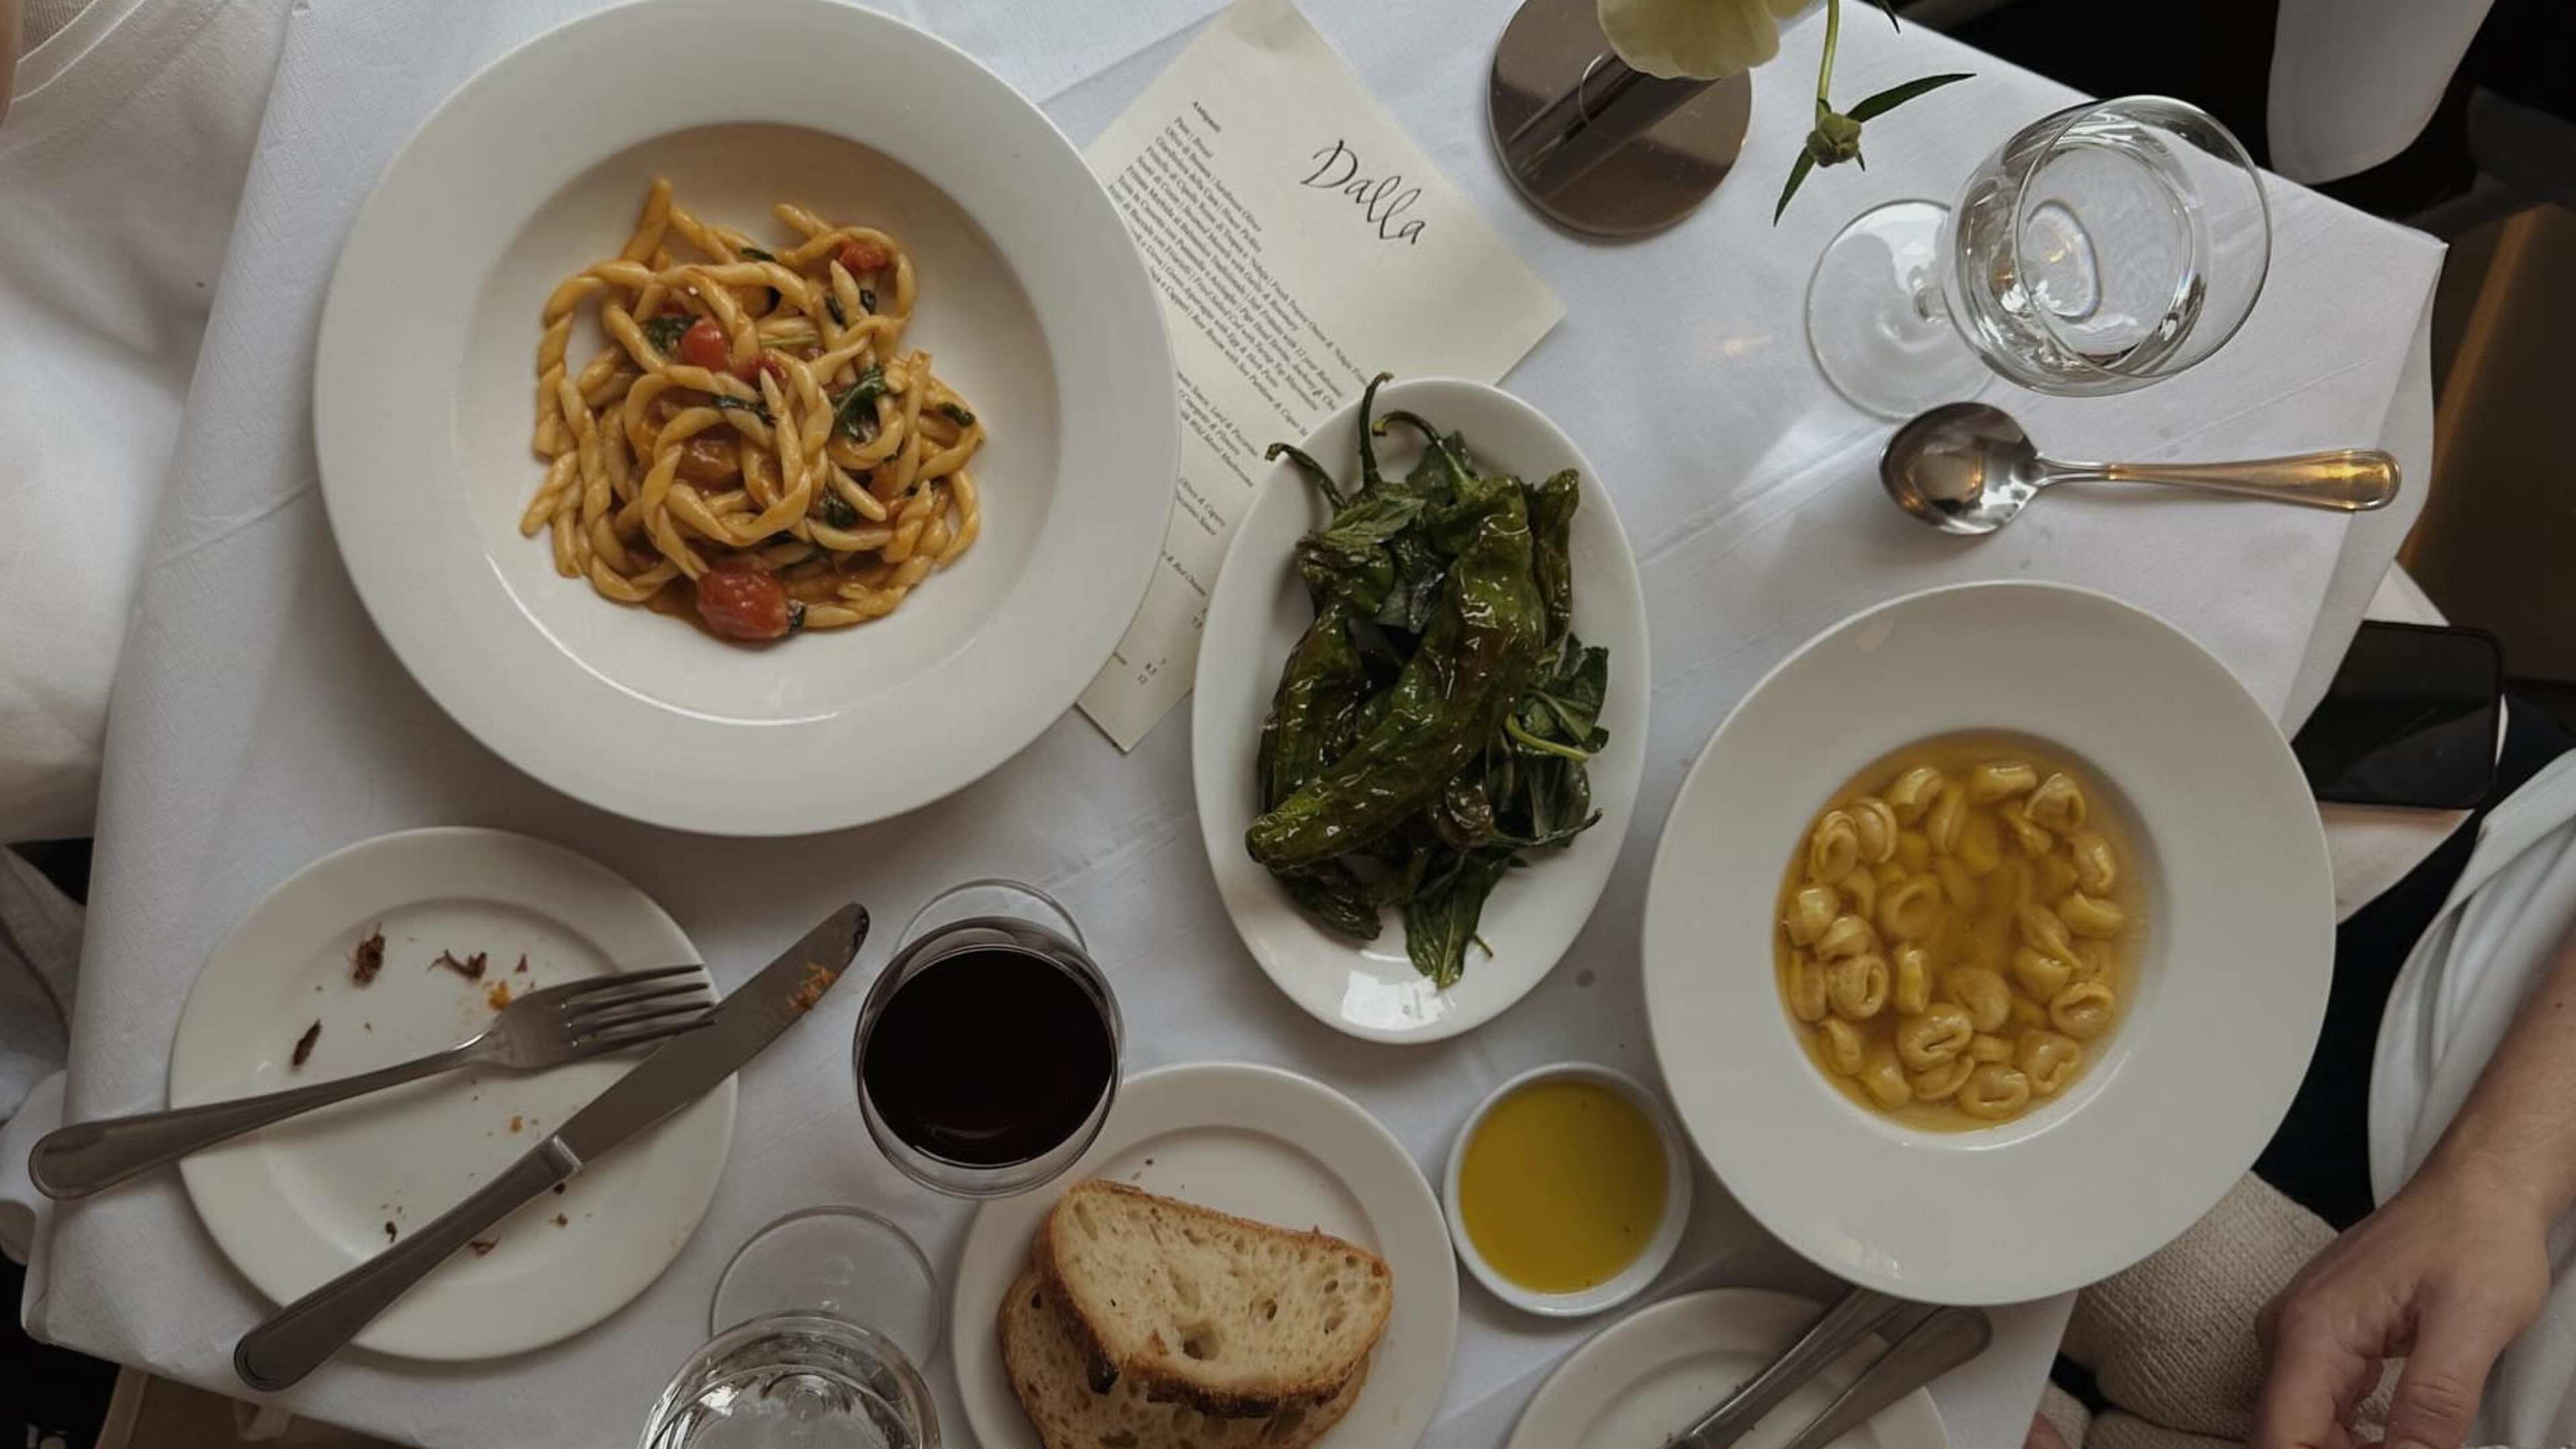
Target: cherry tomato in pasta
(703,345)
(861,257)
(741,600)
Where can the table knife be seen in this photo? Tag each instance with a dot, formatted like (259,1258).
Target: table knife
(1945,1339)
(1856,1316)
(297,1338)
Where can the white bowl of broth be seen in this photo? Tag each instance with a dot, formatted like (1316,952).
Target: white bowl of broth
(2142,983)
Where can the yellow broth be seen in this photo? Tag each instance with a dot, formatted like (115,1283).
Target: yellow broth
(1958,928)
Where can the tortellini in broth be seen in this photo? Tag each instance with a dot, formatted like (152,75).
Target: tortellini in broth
(1956,929)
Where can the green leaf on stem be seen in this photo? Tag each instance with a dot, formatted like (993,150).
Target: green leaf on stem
(1797,177)
(1894,96)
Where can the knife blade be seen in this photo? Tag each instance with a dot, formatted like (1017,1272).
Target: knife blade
(298,1337)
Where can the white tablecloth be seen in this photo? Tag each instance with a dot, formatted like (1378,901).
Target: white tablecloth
(259,722)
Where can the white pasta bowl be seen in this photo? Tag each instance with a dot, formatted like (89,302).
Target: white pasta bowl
(2229,976)
(1033,303)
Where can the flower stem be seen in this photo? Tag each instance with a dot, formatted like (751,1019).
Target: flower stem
(1833,38)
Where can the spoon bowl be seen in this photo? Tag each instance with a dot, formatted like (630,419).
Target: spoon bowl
(1968,468)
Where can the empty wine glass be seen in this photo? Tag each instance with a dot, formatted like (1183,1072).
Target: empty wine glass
(2098,250)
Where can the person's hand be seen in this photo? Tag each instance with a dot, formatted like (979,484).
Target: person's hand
(2043,1435)
(2444,1275)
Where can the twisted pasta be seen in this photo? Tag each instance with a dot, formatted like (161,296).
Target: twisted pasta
(751,441)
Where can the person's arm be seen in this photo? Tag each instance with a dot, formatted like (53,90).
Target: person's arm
(2450,1269)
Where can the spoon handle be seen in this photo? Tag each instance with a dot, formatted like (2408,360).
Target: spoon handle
(2353,479)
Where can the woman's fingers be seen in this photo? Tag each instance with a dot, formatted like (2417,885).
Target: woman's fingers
(2317,1374)
(2457,1339)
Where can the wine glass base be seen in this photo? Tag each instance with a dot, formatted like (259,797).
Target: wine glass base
(1866,321)
(845,1261)
(1602,180)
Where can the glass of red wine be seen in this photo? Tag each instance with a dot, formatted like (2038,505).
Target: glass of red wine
(988,1049)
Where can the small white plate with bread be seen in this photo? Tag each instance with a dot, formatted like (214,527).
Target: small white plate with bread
(1245,1258)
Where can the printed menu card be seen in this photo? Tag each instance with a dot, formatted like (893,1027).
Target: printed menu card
(1301,245)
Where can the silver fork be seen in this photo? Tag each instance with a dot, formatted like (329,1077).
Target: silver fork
(567,1023)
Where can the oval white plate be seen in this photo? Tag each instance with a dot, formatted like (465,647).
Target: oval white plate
(1032,299)
(1255,616)
(1650,1260)
(1260,1143)
(2231,982)
(1652,1374)
(295,1205)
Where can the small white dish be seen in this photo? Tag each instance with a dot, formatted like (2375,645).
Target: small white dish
(1659,1250)
(2230,977)
(1263,1144)
(1033,300)
(1652,1374)
(299,1203)
(1256,614)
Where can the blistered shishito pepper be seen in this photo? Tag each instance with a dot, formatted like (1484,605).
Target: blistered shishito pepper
(1474,660)
(1317,702)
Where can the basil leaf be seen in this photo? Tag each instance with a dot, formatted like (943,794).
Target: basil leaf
(757,255)
(832,305)
(838,513)
(868,300)
(957,415)
(735,404)
(665,331)
(859,404)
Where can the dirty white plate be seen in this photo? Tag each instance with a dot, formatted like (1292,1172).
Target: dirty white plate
(1652,1374)
(1260,1143)
(1032,300)
(2231,969)
(297,1204)
(1254,617)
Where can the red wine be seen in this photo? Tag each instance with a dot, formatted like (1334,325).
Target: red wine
(989,1056)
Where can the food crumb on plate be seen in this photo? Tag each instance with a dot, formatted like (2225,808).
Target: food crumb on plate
(516,1122)
(471,968)
(304,1043)
(482,1246)
(561,1221)
(522,968)
(369,958)
(499,995)
(389,1232)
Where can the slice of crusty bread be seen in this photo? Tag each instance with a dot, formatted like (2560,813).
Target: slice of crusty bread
(1050,1369)
(1234,1318)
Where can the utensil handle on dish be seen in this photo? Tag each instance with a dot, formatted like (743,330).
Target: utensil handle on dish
(2355,480)
(79,1159)
(1945,1339)
(297,1338)
(1859,1314)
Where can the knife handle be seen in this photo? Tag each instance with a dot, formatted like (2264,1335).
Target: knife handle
(297,1338)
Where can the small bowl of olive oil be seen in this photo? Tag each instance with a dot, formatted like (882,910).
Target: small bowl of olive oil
(1568,1189)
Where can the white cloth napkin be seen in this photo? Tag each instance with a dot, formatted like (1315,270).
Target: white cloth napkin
(120,159)
(2503,929)
(260,722)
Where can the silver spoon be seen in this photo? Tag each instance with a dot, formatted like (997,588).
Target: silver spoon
(1968,468)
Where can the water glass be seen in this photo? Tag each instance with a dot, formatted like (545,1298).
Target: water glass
(795,1381)
(2097,250)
